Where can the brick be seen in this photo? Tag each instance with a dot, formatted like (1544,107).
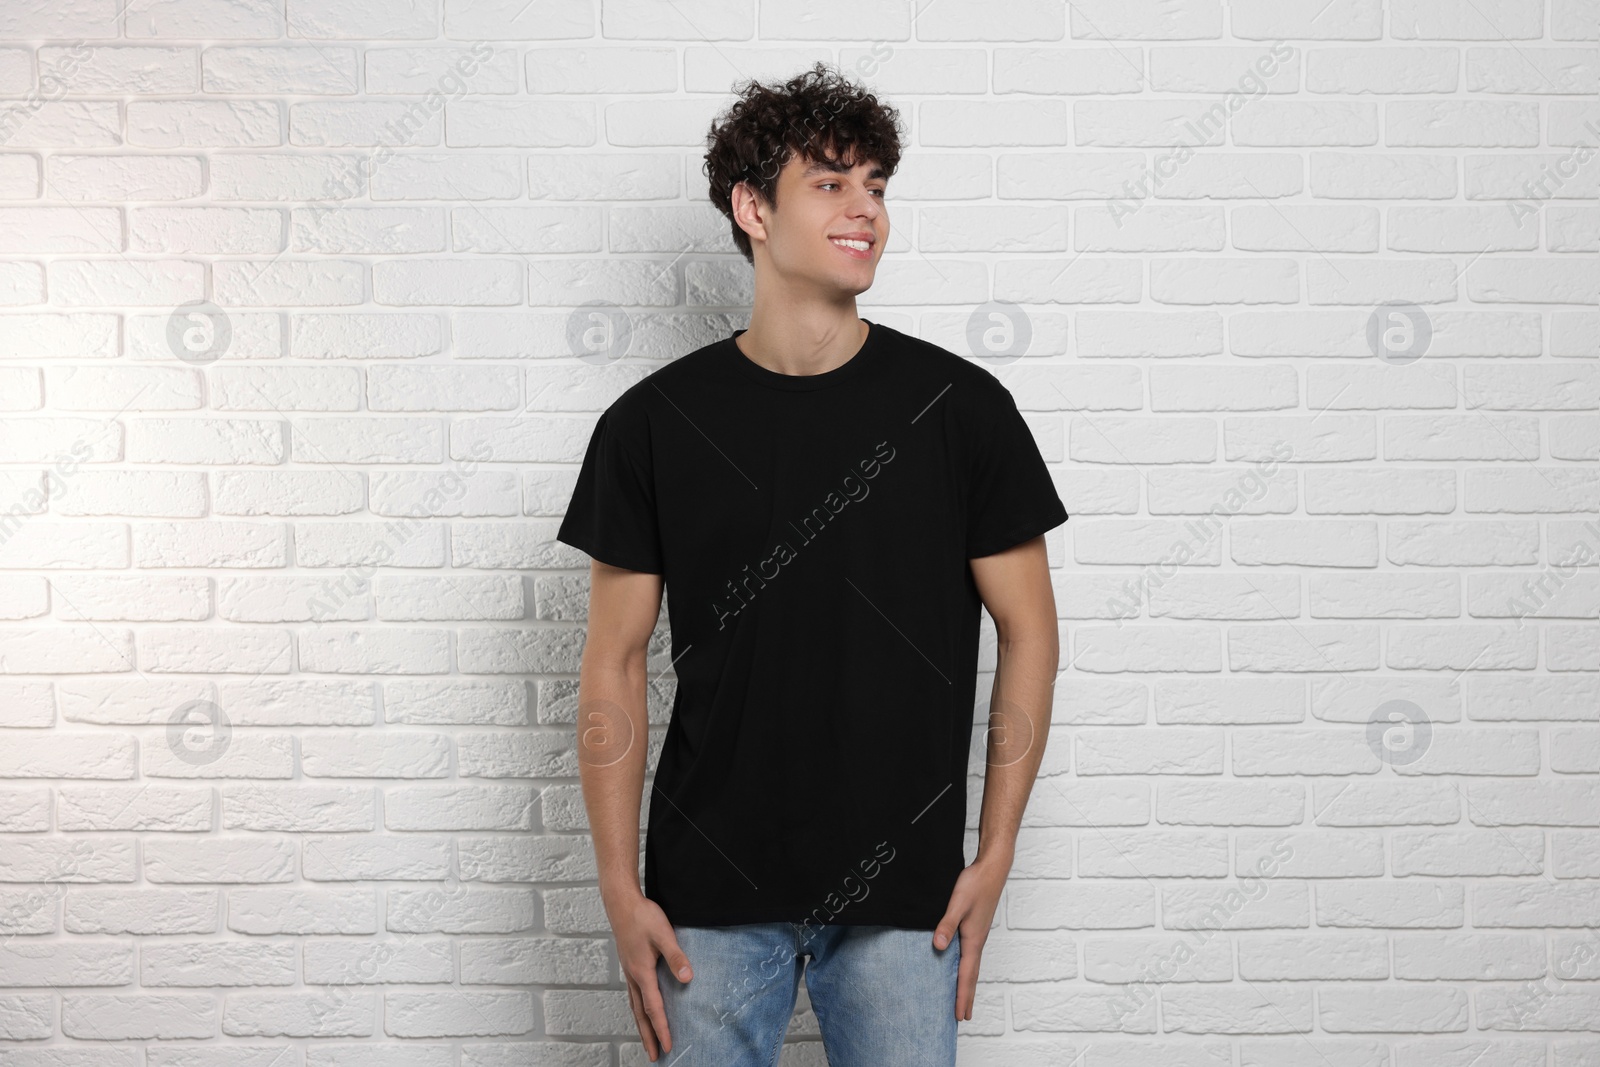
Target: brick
(1536,907)
(199,964)
(1203,1010)
(1348,1010)
(1468,956)
(1320,955)
(302,911)
(1394,904)
(457,1014)
(1443,854)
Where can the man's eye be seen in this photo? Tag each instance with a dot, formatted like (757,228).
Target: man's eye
(880,192)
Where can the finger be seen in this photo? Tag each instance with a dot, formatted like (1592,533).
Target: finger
(947,927)
(967,979)
(677,959)
(656,1010)
(646,1034)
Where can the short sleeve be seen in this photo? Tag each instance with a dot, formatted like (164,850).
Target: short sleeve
(612,514)
(1011,497)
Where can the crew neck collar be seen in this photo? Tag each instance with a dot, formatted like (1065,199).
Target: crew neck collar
(799,382)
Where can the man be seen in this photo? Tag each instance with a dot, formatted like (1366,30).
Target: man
(827,502)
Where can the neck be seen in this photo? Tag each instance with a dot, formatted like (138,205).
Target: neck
(803,341)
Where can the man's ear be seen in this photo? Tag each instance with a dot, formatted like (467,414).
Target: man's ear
(747,208)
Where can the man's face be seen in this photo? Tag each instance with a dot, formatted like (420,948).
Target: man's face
(829,227)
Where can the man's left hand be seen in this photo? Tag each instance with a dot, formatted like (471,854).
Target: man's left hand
(971,911)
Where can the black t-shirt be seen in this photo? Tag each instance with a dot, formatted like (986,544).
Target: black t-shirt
(813,533)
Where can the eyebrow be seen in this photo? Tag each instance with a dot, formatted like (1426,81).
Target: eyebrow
(834,167)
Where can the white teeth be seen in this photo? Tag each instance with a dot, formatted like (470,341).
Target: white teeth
(859,246)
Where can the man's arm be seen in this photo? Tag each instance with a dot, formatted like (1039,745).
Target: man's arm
(1015,587)
(613,726)
(613,738)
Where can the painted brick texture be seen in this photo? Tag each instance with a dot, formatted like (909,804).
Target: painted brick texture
(308,307)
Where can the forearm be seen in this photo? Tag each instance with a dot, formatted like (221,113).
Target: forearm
(1019,725)
(612,735)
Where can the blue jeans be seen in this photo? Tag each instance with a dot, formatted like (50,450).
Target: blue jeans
(884,996)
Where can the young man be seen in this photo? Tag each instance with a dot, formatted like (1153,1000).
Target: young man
(827,501)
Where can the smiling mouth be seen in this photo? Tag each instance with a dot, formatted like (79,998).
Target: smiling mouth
(856,249)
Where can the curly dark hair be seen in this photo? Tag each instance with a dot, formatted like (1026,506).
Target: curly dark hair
(818,114)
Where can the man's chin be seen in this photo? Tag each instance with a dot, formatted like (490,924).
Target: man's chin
(856,282)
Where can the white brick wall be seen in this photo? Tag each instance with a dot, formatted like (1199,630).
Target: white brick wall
(294,300)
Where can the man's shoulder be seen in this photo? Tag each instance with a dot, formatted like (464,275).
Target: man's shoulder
(970,383)
(940,360)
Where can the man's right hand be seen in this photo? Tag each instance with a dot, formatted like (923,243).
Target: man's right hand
(644,933)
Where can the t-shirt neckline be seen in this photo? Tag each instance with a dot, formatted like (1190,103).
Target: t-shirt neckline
(843,372)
